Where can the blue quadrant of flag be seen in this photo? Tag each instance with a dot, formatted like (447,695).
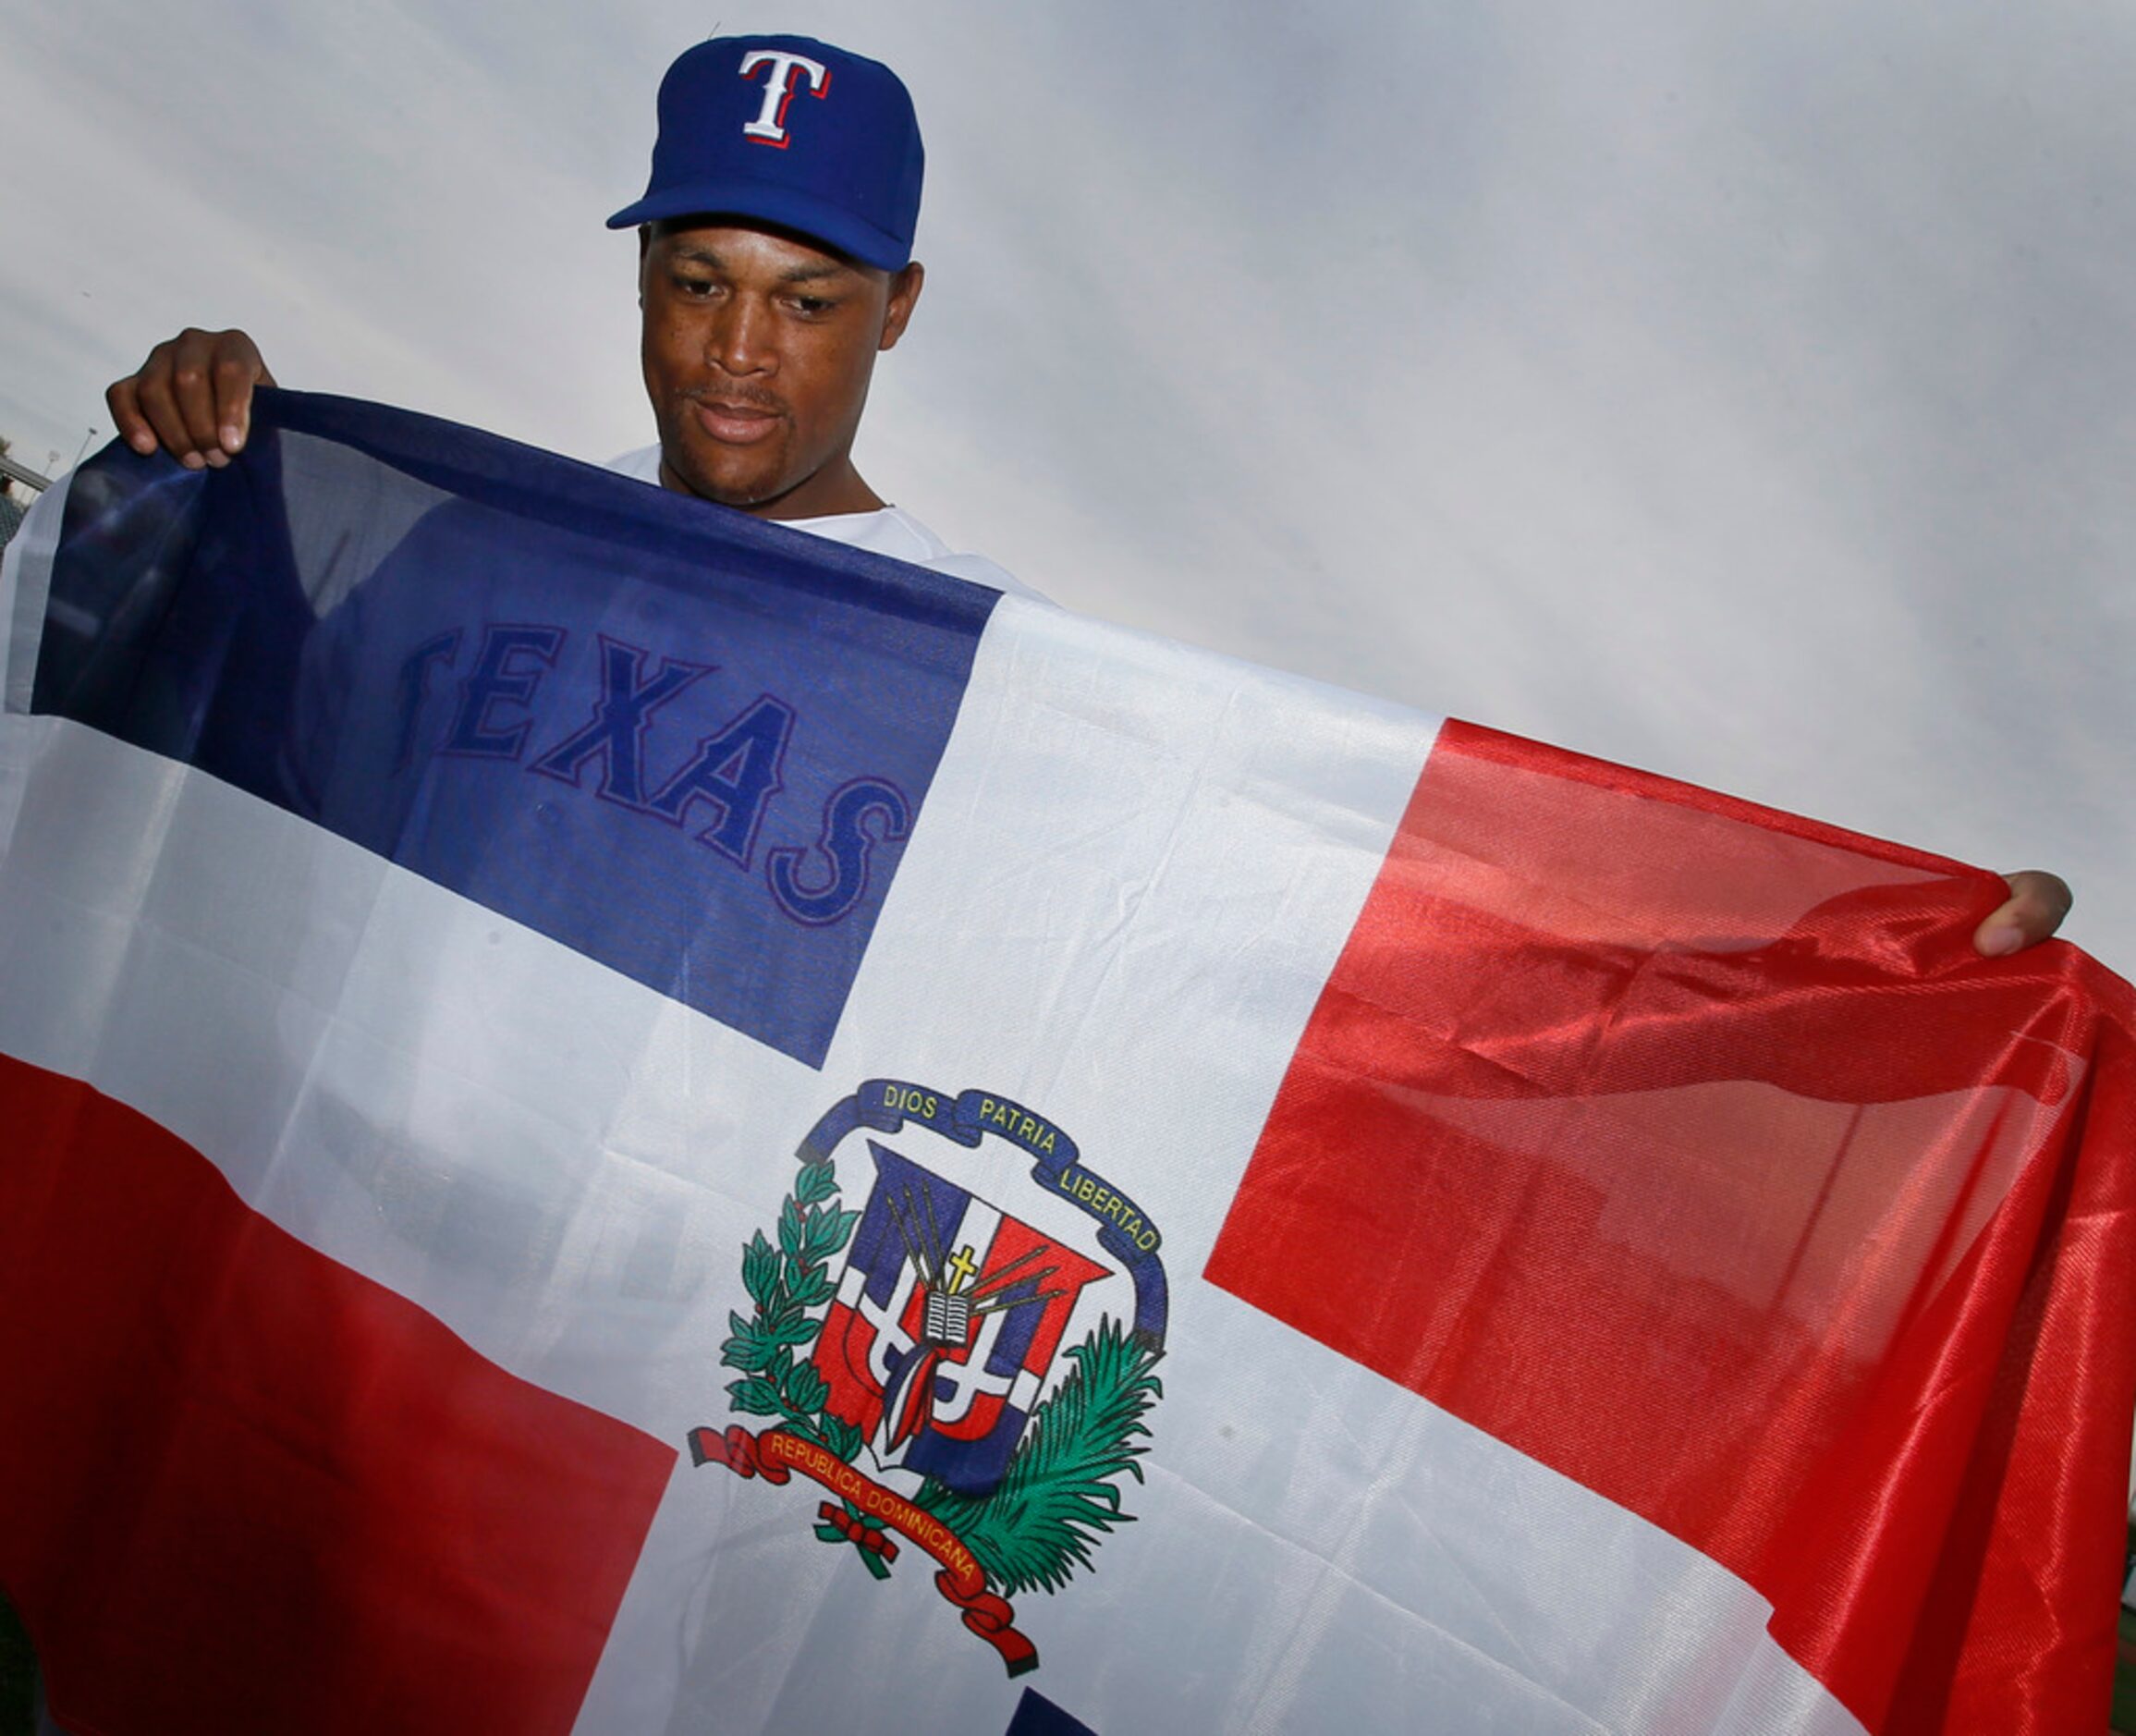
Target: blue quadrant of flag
(682,741)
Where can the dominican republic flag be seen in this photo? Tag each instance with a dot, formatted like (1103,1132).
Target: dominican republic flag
(614,1118)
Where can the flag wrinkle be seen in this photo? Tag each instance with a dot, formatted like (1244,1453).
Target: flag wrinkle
(25,589)
(1774,829)
(1274,1703)
(1331,808)
(1933,1031)
(1939,1434)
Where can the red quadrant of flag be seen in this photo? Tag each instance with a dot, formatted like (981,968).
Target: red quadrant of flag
(250,1489)
(1744,1194)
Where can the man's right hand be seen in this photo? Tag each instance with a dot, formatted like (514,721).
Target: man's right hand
(193,396)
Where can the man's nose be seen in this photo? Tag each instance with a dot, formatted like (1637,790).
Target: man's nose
(741,338)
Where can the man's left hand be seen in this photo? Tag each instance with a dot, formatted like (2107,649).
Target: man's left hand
(2035,908)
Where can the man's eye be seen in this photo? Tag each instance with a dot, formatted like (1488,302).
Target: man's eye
(813,305)
(693,287)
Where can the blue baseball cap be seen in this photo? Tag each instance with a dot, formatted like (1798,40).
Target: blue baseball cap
(792,131)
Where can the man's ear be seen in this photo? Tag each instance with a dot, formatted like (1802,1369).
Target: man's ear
(644,248)
(904,298)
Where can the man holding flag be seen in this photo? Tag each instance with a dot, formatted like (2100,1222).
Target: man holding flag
(775,245)
(1298,1216)
(775,265)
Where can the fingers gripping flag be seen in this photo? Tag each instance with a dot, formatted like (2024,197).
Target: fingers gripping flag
(614,1118)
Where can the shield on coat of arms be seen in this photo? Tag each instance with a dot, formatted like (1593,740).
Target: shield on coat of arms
(948,1315)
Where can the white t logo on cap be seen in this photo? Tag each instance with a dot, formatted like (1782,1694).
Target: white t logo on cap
(770,125)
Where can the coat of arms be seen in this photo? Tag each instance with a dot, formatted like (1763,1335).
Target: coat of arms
(964,1372)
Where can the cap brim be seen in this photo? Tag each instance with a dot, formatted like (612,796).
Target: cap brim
(839,230)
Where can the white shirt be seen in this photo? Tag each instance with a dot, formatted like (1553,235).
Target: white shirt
(888,530)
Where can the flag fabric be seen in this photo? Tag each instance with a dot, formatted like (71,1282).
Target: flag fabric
(615,1118)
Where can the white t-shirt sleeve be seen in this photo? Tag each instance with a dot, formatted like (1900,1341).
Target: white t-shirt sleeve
(643,464)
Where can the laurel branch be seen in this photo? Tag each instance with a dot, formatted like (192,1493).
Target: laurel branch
(786,1283)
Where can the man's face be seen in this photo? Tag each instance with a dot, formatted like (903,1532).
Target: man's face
(757,349)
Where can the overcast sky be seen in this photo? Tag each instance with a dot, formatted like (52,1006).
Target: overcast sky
(1744,392)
